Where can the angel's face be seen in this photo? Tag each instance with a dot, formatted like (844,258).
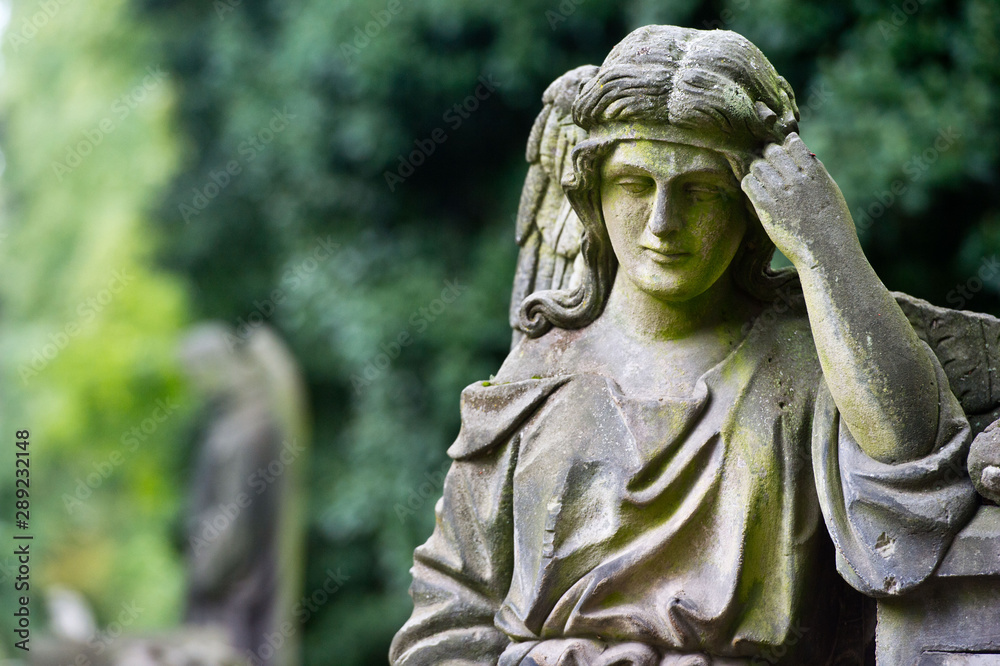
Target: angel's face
(675,216)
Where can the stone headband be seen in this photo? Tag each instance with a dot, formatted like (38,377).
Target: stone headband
(623,131)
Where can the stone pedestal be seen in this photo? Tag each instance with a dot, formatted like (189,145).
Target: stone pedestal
(954,618)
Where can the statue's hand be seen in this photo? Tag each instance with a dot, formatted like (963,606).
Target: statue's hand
(799,205)
(984,462)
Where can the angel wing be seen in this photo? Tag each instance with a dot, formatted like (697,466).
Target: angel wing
(968,346)
(548,231)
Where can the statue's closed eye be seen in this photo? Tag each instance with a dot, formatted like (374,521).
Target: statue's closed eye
(636,185)
(704,193)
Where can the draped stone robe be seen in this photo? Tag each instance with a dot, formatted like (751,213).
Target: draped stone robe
(580,525)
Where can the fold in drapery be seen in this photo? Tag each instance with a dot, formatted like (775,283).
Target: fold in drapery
(578,520)
(585,652)
(892,523)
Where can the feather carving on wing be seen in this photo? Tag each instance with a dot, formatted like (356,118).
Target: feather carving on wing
(968,346)
(548,231)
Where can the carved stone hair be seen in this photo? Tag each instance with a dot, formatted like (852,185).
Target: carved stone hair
(709,88)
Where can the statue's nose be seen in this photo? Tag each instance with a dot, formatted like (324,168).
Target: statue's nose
(663,218)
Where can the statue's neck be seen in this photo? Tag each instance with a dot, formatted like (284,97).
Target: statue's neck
(643,316)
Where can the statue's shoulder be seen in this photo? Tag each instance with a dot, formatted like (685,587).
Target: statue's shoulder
(556,353)
(492,410)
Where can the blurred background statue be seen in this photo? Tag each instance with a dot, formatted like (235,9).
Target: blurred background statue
(245,528)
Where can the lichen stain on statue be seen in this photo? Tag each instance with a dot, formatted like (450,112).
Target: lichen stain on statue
(689,457)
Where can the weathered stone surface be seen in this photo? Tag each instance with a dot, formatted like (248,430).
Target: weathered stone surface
(976,549)
(687,454)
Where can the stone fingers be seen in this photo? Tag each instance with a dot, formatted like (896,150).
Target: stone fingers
(759,196)
(778,157)
(769,178)
(803,157)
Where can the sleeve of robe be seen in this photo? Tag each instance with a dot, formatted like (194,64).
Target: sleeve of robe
(463,572)
(892,524)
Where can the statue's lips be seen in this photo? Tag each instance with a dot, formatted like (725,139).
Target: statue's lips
(666,256)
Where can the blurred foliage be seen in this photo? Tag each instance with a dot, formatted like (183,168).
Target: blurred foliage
(88,322)
(267,144)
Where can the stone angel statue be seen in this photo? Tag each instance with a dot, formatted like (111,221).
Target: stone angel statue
(246,523)
(689,457)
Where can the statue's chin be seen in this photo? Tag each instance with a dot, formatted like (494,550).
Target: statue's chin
(674,282)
